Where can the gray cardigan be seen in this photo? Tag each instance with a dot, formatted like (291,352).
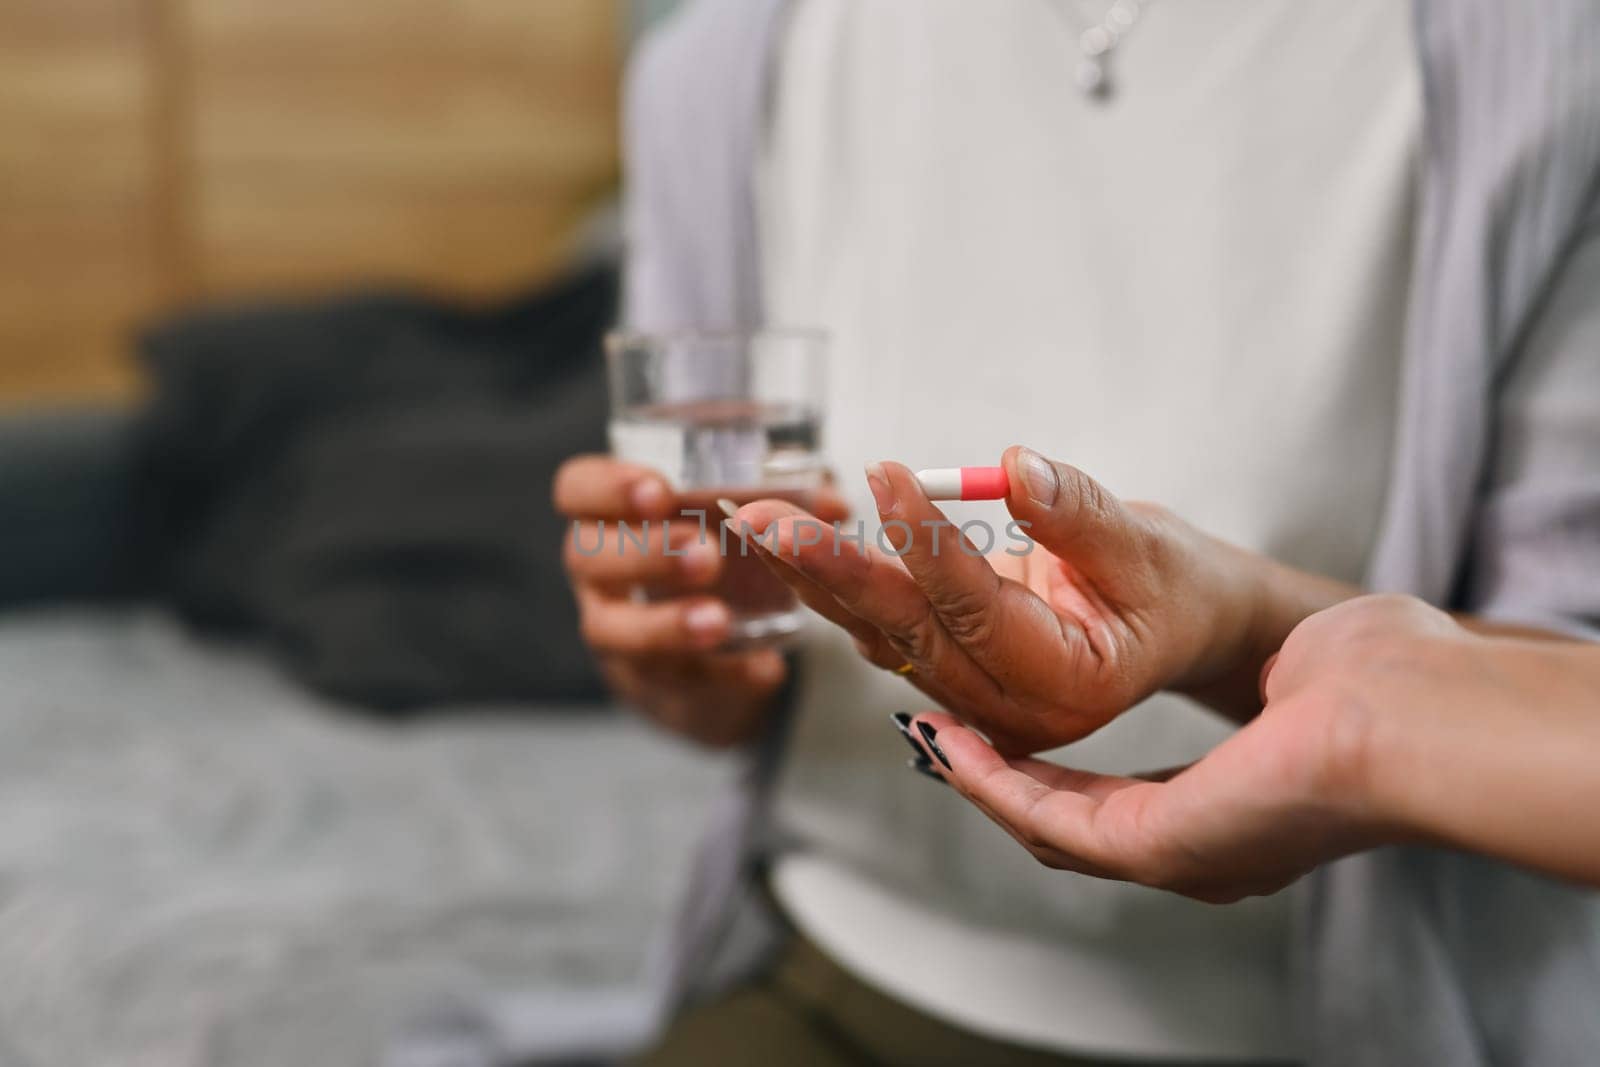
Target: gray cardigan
(1410,956)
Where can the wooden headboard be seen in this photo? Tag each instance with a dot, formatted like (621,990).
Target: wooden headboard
(158,152)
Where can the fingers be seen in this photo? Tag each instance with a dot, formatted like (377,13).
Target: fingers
(599,487)
(1046,855)
(717,699)
(953,575)
(1010,634)
(869,640)
(1163,774)
(1071,514)
(826,504)
(1170,833)
(1266,673)
(872,588)
(1047,807)
(1089,783)
(651,675)
(670,554)
(757,670)
(868,585)
(622,626)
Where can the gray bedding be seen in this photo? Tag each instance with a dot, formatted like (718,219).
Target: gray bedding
(199,864)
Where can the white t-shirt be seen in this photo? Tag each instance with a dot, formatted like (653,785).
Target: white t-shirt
(1196,293)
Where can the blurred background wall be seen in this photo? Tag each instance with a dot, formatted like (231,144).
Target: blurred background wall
(155,153)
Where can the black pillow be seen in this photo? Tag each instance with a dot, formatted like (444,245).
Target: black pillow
(366,481)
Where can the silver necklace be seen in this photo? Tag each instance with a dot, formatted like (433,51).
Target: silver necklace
(1098,39)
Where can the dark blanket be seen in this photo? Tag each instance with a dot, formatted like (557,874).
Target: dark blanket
(366,482)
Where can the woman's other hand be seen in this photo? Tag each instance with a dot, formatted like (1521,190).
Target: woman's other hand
(1110,603)
(1294,788)
(662,655)
(1384,721)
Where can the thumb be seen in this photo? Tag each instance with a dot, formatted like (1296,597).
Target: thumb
(1070,514)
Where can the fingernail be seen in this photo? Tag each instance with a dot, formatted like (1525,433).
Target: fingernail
(707,619)
(928,734)
(902,722)
(882,491)
(923,767)
(649,496)
(699,561)
(1039,477)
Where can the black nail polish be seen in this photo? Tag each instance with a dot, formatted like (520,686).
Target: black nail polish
(928,734)
(924,768)
(902,722)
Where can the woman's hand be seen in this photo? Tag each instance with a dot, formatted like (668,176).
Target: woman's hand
(1113,602)
(661,655)
(1385,721)
(1295,788)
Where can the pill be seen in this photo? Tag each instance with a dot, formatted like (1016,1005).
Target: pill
(964,483)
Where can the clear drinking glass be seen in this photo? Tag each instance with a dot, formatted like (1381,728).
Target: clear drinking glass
(736,415)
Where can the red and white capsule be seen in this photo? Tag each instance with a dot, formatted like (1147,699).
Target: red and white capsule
(964,483)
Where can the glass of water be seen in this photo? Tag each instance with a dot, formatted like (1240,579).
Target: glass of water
(736,415)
